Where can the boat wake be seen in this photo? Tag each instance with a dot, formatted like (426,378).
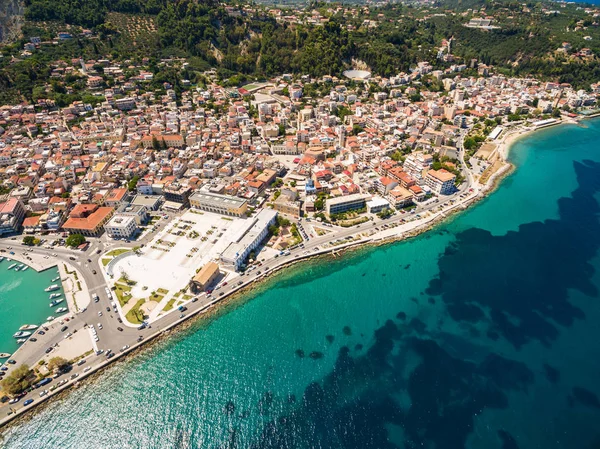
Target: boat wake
(10,286)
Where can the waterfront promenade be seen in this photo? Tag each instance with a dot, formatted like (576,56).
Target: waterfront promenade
(110,337)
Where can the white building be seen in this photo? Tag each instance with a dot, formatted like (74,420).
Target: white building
(237,252)
(346,203)
(121,226)
(440,181)
(377,205)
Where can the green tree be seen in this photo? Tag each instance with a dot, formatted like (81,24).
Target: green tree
(155,143)
(29,240)
(58,364)
(469,143)
(20,379)
(74,240)
(131,185)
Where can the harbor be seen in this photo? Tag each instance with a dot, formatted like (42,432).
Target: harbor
(24,302)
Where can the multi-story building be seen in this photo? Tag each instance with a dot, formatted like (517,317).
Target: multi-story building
(88,219)
(220,204)
(138,212)
(121,226)
(440,181)
(178,194)
(237,252)
(12,213)
(346,203)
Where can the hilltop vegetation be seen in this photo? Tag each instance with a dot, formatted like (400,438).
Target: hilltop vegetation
(247,43)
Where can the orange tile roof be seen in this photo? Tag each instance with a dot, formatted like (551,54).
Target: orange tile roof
(91,221)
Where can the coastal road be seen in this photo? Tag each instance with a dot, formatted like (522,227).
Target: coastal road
(112,338)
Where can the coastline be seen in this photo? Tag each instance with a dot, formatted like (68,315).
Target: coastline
(220,305)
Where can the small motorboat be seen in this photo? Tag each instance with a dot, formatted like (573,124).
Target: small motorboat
(21,334)
(56,302)
(57,278)
(55,295)
(21,340)
(61,310)
(20,267)
(4,355)
(52,288)
(11,266)
(28,327)
(50,318)
(24,268)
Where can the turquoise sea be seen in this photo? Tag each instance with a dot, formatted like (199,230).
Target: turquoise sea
(482,333)
(23,301)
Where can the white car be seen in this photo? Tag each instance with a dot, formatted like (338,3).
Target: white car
(100,326)
(100,313)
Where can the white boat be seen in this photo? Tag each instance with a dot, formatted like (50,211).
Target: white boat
(1,258)
(52,288)
(56,302)
(61,310)
(24,268)
(54,295)
(55,279)
(4,355)
(50,318)
(28,327)
(10,267)
(21,334)
(20,267)
(21,340)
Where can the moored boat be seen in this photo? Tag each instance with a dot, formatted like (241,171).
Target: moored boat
(24,268)
(61,310)
(4,355)
(52,288)
(50,318)
(54,295)
(21,340)
(1,259)
(57,278)
(20,267)
(10,267)
(56,302)
(21,334)
(28,327)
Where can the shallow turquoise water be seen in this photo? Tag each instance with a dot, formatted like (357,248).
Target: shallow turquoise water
(481,333)
(23,301)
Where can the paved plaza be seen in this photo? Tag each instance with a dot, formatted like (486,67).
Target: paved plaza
(176,253)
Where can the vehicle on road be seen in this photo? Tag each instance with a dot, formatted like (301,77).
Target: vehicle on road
(64,328)
(120,329)
(27,402)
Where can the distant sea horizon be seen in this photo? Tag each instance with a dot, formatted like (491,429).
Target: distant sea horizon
(481,333)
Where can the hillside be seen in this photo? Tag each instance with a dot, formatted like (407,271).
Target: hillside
(11,17)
